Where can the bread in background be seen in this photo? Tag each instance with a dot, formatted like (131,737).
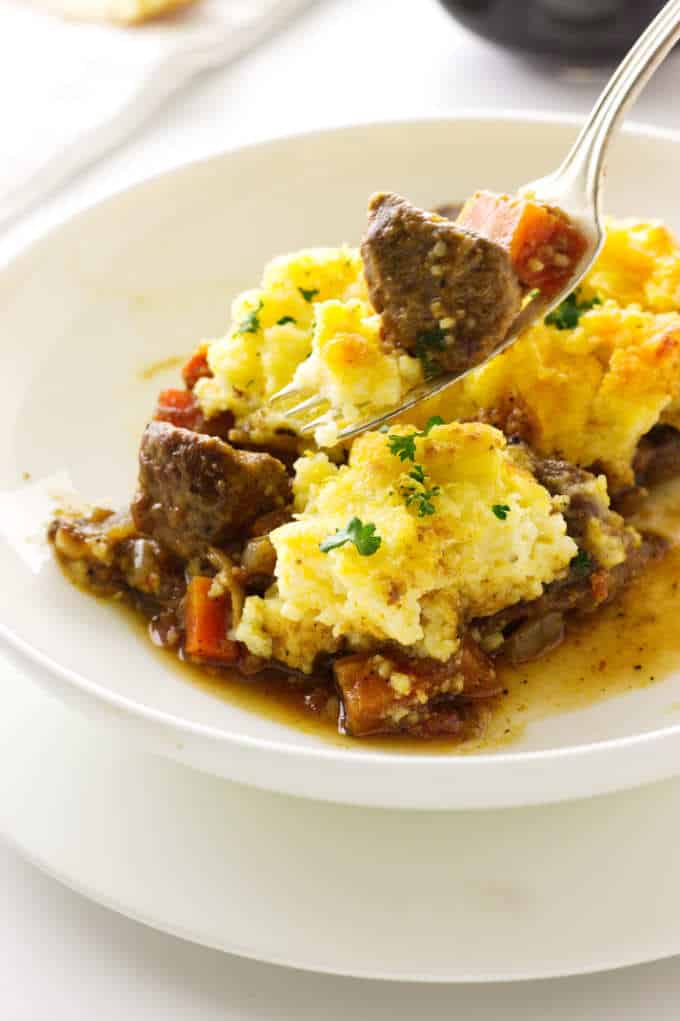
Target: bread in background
(126,12)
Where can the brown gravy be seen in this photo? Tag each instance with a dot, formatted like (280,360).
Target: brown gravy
(624,646)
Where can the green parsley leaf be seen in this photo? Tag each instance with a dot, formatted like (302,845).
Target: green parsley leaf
(582,562)
(285,319)
(363,537)
(431,423)
(308,295)
(426,342)
(422,497)
(567,315)
(404,447)
(417,473)
(251,323)
(501,510)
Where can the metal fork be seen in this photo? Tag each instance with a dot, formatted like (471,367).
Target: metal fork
(575,187)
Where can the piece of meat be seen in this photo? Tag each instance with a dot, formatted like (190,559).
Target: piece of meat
(196,491)
(657,458)
(384,693)
(529,629)
(561,478)
(582,591)
(444,293)
(105,553)
(545,248)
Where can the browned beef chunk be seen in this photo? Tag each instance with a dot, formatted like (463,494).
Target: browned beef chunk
(657,458)
(105,553)
(444,293)
(528,629)
(387,692)
(561,478)
(195,490)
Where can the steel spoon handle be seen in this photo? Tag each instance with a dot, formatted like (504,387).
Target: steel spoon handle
(580,175)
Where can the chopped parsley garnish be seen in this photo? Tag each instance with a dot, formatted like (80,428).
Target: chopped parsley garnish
(426,342)
(363,537)
(308,295)
(285,319)
(404,447)
(567,315)
(422,497)
(501,510)
(251,323)
(431,423)
(581,563)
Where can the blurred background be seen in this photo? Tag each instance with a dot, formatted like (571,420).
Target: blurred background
(595,31)
(87,79)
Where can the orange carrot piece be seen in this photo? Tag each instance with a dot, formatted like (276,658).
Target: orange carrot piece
(179,407)
(206,622)
(544,246)
(197,367)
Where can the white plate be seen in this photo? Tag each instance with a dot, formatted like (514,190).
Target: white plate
(146,274)
(432,897)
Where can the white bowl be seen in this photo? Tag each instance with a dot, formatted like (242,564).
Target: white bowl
(143,276)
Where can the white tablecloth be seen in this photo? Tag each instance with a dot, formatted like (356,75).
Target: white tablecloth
(83,87)
(63,959)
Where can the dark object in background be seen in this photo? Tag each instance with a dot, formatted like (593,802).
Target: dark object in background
(588,31)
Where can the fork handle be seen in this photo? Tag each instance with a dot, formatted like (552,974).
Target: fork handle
(584,165)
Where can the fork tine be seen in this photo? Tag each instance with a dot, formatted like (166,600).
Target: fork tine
(320,420)
(307,405)
(290,390)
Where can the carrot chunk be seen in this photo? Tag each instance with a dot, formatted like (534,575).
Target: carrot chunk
(179,407)
(544,246)
(206,622)
(197,367)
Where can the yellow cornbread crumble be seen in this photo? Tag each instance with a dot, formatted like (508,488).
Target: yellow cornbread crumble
(431,572)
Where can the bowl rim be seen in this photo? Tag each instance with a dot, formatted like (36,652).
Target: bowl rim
(80,685)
